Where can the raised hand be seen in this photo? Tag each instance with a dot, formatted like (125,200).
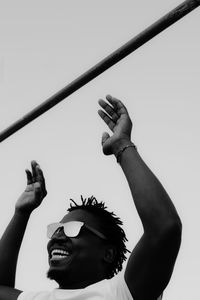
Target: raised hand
(35,190)
(116,116)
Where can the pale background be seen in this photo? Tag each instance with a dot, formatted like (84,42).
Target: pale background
(44,45)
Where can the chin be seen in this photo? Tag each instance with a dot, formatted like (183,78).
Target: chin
(51,274)
(55,274)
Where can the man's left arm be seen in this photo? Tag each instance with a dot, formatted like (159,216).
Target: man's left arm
(151,262)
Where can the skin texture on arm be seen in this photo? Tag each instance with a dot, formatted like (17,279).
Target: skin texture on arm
(12,238)
(152,260)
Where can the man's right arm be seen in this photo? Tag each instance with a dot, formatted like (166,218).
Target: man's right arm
(12,238)
(9,249)
(8,293)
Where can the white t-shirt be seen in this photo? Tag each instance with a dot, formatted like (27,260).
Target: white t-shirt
(111,289)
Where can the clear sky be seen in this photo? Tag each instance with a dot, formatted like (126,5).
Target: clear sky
(44,45)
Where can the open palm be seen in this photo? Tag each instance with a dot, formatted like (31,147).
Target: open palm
(35,190)
(116,116)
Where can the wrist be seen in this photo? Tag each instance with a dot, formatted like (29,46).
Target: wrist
(121,146)
(118,144)
(21,213)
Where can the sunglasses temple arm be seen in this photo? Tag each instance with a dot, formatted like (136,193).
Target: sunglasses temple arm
(101,235)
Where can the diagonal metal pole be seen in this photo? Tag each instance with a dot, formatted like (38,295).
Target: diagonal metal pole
(157,27)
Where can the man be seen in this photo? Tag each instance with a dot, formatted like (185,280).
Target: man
(86,249)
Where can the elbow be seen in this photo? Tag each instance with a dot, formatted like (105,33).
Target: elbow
(175,225)
(168,225)
(171,224)
(179,224)
(173,231)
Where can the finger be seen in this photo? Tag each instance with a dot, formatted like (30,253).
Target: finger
(39,173)
(29,177)
(40,178)
(104,138)
(120,108)
(111,124)
(109,110)
(33,167)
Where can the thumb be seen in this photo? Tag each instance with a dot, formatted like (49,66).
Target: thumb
(104,138)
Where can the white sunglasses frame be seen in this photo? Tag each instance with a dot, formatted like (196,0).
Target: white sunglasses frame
(62,225)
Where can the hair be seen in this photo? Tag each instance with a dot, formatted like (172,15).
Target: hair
(111,228)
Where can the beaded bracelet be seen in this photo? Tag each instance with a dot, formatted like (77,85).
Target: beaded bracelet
(118,156)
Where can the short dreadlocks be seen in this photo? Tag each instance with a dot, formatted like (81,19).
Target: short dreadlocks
(111,227)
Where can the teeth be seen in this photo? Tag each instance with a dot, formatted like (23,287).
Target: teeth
(59,252)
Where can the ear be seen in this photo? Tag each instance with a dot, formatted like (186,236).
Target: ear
(109,254)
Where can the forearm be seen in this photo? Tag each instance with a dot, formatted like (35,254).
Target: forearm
(9,248)
(153,204)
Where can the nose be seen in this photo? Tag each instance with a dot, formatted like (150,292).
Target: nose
(58,237)
(59,234)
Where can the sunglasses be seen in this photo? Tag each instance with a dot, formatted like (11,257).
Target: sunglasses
(71,229)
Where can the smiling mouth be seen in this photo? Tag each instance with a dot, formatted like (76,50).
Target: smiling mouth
(58,254)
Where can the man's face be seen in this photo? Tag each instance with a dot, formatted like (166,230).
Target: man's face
(81,261)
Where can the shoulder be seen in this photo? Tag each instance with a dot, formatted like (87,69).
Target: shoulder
(39,295)
(119,288)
